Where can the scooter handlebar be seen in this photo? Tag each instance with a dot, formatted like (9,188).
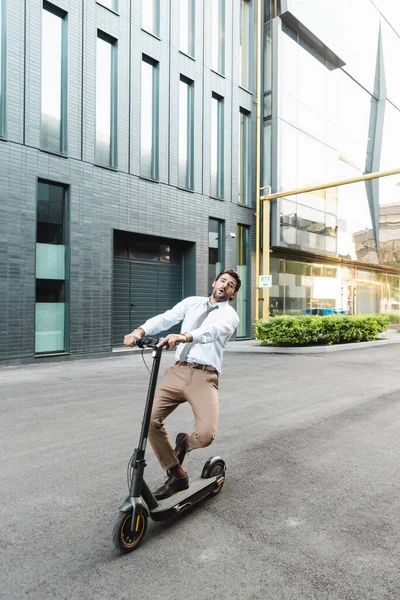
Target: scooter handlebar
(147,342)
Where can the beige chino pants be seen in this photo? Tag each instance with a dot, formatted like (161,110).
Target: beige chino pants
(184,384)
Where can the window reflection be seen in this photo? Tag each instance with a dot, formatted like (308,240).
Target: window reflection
(149,120)
(113,4)
(244,158)
(309,288)
(186,133)
(105,102)
(245,36)
(2,67)
(151,16)
(243,268)
(217,146)
(187,26)
(53,87)
(216,238)
(218,35)
(51,269)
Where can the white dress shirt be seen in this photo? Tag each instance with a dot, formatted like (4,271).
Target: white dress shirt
(209,339)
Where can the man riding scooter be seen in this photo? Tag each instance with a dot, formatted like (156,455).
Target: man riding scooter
(207,325)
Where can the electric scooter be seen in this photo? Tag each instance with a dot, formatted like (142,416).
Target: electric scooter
(141,504)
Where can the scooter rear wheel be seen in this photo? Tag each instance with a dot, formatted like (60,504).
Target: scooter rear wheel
(125,539)
(218,468)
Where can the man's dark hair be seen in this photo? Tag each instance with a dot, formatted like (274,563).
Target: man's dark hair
(233,274)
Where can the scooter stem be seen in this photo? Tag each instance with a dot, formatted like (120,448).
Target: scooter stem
(149,403)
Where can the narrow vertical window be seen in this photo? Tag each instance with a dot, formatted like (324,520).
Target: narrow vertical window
(54,79)
(149,119)
(2,67)
(113,4)
(186,133)
(187,26)
(245,36)
(243,268)
(244,157)
(216,249)
(106,101)
(151,16)
(51,268)
(218,35)
(217,146)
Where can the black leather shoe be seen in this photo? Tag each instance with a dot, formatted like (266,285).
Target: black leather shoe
(171,486)
(181,446)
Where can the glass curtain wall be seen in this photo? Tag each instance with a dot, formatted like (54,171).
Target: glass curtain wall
(216,249)
(149,119)
(267,107)
(54,79)
(243,268)
(51,269)
(313,288)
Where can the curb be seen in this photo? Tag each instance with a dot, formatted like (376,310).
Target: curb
(257,349)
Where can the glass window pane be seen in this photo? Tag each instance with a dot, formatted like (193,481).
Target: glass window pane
(52,81)
(217,147)
(187,26)
(216,237)
(50,261)
(186,124)
(245,33)
(244,159)
(105,103)
(149,121)
(50,214)
(2,67)
(243,268)
(113,4)
(49,326)
(218,35)
(50,269)
(151,16)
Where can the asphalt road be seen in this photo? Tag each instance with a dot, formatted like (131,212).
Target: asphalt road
(310,508)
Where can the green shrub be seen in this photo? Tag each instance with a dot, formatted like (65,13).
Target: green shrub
(316,330)
(394,318)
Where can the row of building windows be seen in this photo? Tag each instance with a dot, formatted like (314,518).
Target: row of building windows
(187,30)
(54,85)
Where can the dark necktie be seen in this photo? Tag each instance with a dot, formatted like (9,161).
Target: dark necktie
(200,320)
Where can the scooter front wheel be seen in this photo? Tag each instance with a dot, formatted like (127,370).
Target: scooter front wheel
(127,538)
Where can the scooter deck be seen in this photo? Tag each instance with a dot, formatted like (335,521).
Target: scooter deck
(198,489)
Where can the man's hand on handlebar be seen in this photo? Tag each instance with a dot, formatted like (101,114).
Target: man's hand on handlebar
(130,339)
(172,340)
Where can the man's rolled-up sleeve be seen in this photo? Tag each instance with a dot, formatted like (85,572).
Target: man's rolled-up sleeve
(166,320)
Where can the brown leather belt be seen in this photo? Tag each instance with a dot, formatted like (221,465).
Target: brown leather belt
(196,366)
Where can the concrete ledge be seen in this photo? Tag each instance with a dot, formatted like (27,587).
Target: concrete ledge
(253,346)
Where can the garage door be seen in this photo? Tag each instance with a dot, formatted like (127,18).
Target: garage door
(143,289)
